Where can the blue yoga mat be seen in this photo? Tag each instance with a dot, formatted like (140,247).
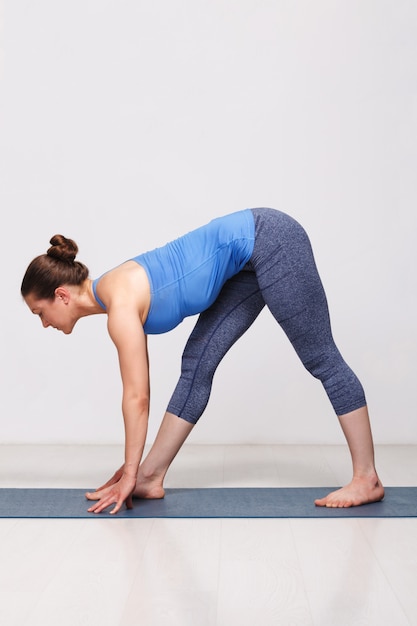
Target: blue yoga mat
(206,503)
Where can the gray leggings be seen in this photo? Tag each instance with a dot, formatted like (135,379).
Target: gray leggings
(281,274)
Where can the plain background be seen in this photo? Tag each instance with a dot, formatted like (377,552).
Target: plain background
(125,124)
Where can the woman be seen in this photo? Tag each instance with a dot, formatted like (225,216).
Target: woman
(226,271)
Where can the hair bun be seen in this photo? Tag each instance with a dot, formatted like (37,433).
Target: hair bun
(62,249)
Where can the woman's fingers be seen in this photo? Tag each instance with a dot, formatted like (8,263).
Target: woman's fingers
(117,494)
(103,503)
(95,495)
(117,507)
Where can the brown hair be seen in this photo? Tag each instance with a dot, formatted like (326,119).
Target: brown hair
(57,267)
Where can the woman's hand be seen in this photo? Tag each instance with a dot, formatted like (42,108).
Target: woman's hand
(118,491)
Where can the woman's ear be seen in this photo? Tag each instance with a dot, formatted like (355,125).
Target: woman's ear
(62,293)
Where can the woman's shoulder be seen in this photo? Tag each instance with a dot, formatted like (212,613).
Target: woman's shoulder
(126,285)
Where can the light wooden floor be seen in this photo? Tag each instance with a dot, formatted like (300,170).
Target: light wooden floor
(343,572)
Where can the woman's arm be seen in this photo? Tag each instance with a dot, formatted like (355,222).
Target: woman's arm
(126,330)
(127,333)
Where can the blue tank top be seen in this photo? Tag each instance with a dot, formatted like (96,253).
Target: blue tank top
(187,274)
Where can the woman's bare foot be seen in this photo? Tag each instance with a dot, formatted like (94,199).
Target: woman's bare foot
(359,491)
(148,488)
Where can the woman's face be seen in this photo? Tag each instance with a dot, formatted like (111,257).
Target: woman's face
(55,312)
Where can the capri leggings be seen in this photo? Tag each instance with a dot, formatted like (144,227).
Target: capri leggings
(281,274)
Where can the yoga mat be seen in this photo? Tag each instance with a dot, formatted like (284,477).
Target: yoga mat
(206,503)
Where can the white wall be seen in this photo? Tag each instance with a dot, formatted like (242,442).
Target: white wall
(125,124)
